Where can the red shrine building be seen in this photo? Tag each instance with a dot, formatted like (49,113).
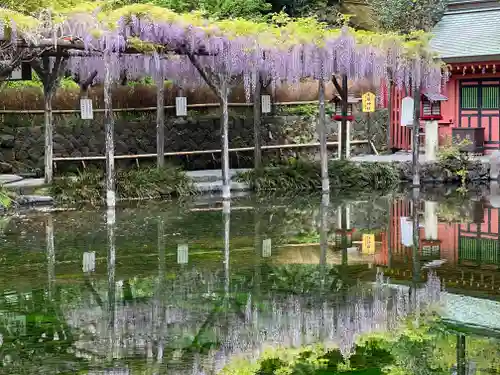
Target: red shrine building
(467,39)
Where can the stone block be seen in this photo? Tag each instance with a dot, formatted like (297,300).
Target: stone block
(7,141)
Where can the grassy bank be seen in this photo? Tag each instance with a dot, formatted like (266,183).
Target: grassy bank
(306,176)
(145,183)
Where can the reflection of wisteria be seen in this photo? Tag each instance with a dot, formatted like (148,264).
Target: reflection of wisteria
(288,321)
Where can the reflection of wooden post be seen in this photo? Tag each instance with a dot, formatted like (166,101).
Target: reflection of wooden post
(51,257)
(258,250)
(226,213)
(415,247)
(160,312)
(323,234)
(110,226)
(461,361)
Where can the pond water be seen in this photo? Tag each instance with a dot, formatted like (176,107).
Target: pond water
(193,287)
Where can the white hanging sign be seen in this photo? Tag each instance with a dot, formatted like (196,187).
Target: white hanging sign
(407,107)
(89,261)
(266,248)
(182,254)
(266,103)
(181,106)
(86,110)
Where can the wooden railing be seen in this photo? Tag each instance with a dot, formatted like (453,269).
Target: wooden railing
(83,159)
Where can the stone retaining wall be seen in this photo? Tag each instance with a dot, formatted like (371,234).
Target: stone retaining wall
(439,173)
(22,146)
(22,137)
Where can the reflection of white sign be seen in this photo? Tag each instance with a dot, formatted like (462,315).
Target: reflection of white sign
(266,248)
(407,107)
(15,324)
(181,106)
(89,261)
(86,109)
(17,73)
(266,103)
(182,254)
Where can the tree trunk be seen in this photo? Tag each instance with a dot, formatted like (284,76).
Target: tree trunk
(47,99)
(323,152)
(343,123)
(257,120)
(416,137)
(226,180)
(160,123)
(109,131)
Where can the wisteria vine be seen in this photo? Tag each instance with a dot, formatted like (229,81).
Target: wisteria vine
(162,41)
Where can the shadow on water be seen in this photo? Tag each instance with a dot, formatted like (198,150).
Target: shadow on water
(192,288)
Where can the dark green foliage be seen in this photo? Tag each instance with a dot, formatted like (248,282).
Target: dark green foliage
(146,183)
(306,176)
(406,16)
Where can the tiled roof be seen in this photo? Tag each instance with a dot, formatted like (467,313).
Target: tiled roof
(472,33)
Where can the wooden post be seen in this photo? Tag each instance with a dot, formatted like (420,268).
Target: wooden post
(49,74)
(389,109)
(343,123)
(257,120)
(226,179)
(416,136)
(323,152)
(109,131)
(160,121)
(47,106)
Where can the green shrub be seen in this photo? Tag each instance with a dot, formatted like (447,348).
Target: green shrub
(146,183)
(306,176)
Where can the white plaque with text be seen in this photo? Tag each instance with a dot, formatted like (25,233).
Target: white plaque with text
(86,109)
(266,103)
(181,106)
(407,106)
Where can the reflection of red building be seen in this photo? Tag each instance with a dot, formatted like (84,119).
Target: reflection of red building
(471,244)
(471,249)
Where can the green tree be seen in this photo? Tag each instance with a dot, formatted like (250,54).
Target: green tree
(405,16)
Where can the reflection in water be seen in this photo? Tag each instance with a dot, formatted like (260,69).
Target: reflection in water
(153,307)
